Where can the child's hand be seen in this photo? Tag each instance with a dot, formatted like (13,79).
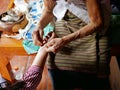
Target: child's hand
(49,37)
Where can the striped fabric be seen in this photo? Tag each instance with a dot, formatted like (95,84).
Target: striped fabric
(81,54)
(32,78)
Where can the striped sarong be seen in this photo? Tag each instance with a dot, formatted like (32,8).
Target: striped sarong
(82,54)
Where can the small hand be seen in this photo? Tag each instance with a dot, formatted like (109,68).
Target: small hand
(49,37)
(55,44)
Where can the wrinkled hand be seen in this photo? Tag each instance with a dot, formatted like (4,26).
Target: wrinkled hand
(55,44)
(51,42)
(49,37)
(37,37)
(49,4)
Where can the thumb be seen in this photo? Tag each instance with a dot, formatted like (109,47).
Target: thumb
(51,49)
(41,33)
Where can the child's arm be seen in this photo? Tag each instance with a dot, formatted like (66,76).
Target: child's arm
(40,58)
(32,77)
(34,74)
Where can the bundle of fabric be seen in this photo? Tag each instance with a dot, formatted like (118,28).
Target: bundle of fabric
(10,22)
(15,17)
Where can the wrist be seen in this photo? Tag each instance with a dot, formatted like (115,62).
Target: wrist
(42,49)
(40,27)
(70,37)
(65,39)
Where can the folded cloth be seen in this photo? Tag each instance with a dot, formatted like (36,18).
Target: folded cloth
(29,47)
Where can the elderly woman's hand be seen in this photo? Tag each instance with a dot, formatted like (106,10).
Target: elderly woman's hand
(37,37)
(55,44)
(46,17)
(49,4)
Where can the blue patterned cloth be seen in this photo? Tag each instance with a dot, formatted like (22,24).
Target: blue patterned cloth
(36,8)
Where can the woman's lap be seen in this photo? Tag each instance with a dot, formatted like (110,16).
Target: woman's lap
(68,80)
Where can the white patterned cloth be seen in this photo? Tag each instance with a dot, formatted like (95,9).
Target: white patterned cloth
(77,7)
(33,11)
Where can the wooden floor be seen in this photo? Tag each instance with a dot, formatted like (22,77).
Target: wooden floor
(23,63)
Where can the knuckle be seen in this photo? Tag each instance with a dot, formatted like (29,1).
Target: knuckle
(54,50)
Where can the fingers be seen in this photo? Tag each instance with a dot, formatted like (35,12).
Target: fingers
(53,35)
(45,39)
(49,37)
(36,38)
(51,49)
(41,33)
(51,46)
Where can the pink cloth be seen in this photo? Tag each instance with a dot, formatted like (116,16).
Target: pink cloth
(32,78)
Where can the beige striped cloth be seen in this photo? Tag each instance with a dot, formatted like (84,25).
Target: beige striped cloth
(81,54)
